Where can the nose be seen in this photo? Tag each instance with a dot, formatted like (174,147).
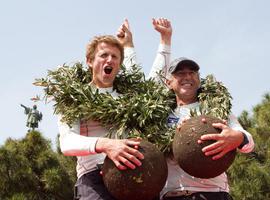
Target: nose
(109,58)
(188,74)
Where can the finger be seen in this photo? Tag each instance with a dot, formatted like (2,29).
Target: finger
(132,158)
(120,34)
(125,29)
(162,20)
(127,163)
(136,153)
(224,122)
(219,126)
(132,150)
(169,23)
(211,136)
(214,151)
(211,147)
(126,23)
(154,22)
(119,165)
(132,142)
(159,21)
(166,22)
(218,156)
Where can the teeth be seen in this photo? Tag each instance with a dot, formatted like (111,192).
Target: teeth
(186,84)
(108,67)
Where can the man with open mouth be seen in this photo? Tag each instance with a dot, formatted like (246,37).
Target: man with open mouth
(86,139)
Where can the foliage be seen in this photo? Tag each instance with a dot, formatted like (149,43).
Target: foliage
(214,98)
(250,175)
(141,110)
(30,169)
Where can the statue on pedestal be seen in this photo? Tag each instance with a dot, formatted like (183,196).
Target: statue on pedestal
(33,117)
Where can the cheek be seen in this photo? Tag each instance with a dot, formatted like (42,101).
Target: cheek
(116,71)
(198,82)
(118,64)
(117,68)
(97,65)
(174,85)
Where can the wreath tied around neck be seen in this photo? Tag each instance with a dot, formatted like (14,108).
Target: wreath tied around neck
(141,109)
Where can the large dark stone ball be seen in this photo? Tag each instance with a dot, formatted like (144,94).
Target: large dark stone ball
(188,152)
(144,182)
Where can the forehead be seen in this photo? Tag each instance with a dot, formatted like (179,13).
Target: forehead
(104,46)
(185,71)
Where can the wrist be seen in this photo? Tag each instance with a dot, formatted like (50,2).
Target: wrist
(244,142)
(128,44)
(100,145)
(165,40)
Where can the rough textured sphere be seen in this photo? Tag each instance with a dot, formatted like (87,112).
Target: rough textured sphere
(188,152)
(144,182)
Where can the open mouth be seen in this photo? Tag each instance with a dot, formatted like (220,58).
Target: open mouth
(108,70)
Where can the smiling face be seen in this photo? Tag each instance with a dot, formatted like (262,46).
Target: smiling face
(185,83)
(105,64)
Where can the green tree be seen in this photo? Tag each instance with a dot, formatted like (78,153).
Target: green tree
(250,175)
(30,169)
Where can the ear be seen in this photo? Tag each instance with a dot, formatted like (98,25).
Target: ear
(89,63)
(169,83)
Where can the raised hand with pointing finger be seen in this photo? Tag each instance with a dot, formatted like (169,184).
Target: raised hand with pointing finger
(124,34)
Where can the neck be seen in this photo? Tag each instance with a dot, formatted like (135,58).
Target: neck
(185,101)
(100,85)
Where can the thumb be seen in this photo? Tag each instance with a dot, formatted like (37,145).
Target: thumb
(219,126)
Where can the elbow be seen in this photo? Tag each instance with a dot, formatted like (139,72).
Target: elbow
(64,147)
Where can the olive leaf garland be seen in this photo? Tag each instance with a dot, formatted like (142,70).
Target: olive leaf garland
(141,109)
(214,98)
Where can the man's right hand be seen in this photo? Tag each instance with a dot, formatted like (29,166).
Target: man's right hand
(163,26)
(121,152)
(124,35)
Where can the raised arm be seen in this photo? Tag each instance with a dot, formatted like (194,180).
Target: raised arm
(124,36)
(162,60)
(23,106)
(26,109)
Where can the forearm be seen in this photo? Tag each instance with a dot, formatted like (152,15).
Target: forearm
(74,144)
(249,146)
(234,124)
(161,62)
(130,58)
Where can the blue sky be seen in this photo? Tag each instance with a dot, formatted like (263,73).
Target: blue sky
(229,39)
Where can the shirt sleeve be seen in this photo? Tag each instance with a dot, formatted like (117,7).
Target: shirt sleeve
(161,62)
(234,124)
(130,58)
(72,143)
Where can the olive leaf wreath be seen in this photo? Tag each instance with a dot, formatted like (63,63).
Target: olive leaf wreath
(141,109)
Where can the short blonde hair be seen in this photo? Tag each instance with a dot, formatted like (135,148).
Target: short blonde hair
(108,39)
